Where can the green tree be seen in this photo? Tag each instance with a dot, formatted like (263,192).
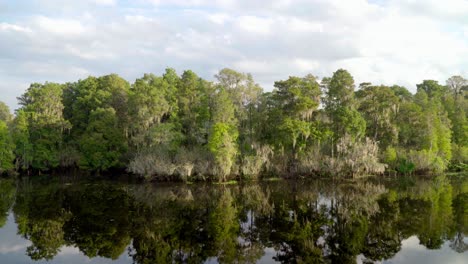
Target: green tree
(340,105)
(379,106)
(244,94)
(43,107)
(456,106)
(5,114)
(193,108)
(431,88)
(339,90)
(6,149)
(222,143)
(103,142)
(85,100)
(296,99)
(23,147)
(148,105)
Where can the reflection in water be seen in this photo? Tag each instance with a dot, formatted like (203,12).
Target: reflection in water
(314,222)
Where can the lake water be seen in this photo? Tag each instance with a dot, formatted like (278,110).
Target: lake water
(410,220)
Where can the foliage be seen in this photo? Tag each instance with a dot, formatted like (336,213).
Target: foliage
(103,143)
(6,149)
(222,143)
(184,127)
(5,114)
(43,108)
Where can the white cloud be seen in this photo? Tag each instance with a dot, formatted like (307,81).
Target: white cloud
(304,26)
(60,26)
(453,10)
(254,24)
(390,42)
(5,249)
(105,2)
(12,27)
(256,66)
(218,18)
(306,65)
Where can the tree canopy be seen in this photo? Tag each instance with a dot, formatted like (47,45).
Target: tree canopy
(179,126)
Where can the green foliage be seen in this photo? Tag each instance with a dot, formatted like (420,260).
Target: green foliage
(43,108)
(296,132)
(103,142)
(5,114)
(390,155)
(193,107)
(426,160)
(23,145)
(185,127)
(379,106)
(340,90)
(298,97)
(431,88)
(340,106)
(405,166)
(348,121)
(222,143)
(6,149)
(150,100)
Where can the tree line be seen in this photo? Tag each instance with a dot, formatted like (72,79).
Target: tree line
(182,127)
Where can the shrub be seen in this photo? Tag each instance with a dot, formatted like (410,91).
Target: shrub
(427,161)
(252,165)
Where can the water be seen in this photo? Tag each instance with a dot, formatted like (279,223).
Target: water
(411,220)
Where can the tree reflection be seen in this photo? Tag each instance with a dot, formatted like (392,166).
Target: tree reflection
(460,227)
(314,222)
(7,197)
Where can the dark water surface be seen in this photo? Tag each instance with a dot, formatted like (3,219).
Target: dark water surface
(410,220)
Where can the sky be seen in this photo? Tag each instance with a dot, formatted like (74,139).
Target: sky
(384,42)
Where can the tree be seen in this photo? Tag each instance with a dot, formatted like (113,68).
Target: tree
(103,142)
(456,84)
(244,94)
(340,106)
(402,93)
(456,106)
(23,147)
(147,107)
(295,100)
(193,108)
(5,114)
(431,88)
(6,149)
(85,100)
(43,108)
(298,97)
(379,106)
(222,143)
(339,90)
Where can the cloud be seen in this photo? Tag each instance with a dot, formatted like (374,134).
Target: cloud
(255,25)
(105,2)
(218,18)
(389,42)
(63,27)
(6,249)
(5,27)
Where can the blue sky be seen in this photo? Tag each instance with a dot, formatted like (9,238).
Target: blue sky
(385,42)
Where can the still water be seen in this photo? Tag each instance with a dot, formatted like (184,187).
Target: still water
(410,220)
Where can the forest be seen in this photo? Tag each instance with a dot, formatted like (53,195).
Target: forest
(185,128)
